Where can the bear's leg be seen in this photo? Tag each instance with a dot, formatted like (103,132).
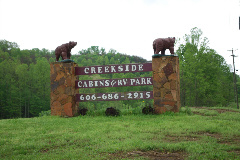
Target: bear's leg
(64,55)
(171,50)
(68,55)
(154,48)
(57,57)
(163,51)
(157,49)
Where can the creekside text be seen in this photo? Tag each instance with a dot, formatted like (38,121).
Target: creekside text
(107,69)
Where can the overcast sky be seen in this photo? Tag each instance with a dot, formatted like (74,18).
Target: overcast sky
(128,26)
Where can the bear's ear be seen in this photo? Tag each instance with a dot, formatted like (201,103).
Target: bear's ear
(173,39)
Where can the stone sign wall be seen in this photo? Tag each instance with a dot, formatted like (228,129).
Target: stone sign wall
(63,89)
(65,84)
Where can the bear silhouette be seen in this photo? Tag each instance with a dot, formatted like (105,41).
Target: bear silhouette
(64,50)
(112,112)
(161,44)
(83,111)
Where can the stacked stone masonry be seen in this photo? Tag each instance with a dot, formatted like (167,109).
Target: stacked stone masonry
(63,90)
(166,86)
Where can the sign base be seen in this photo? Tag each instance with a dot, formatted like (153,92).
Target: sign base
(166,86)
(63,90)
(160,55)
(66,61)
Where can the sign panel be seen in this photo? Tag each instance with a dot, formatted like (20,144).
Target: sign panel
(115,96)
(118,68)
(114,82)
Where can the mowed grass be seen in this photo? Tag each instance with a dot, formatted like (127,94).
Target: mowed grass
(198,136)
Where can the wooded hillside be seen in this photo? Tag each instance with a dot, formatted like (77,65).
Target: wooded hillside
(25,76)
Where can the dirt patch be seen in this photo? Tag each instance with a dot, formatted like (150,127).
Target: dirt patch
(218,110)
(44,150)
(198,113)
(152,155)
(235,140)
(174,138)
(236,152)
(223,110)
(214,135)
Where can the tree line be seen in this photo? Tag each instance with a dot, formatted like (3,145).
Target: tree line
(24,82)
(205,78)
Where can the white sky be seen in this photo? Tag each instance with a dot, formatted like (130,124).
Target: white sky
(128,26)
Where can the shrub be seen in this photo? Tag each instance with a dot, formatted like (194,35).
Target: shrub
(45,113)
(147,110)
(112,112)
(83,111)
(186,110)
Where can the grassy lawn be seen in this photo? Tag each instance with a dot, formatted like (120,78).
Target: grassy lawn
(206,134)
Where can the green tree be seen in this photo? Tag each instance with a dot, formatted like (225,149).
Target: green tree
(112,61)
(9,107)
(23,89)
(106,60)
(39,86)
(204,74)
(7,46)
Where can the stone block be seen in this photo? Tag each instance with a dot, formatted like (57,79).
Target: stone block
(63,89)
(166,85)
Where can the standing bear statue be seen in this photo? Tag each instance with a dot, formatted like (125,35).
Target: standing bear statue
(161,44)
(64,50)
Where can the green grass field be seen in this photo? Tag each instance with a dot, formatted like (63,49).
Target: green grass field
(207,133)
